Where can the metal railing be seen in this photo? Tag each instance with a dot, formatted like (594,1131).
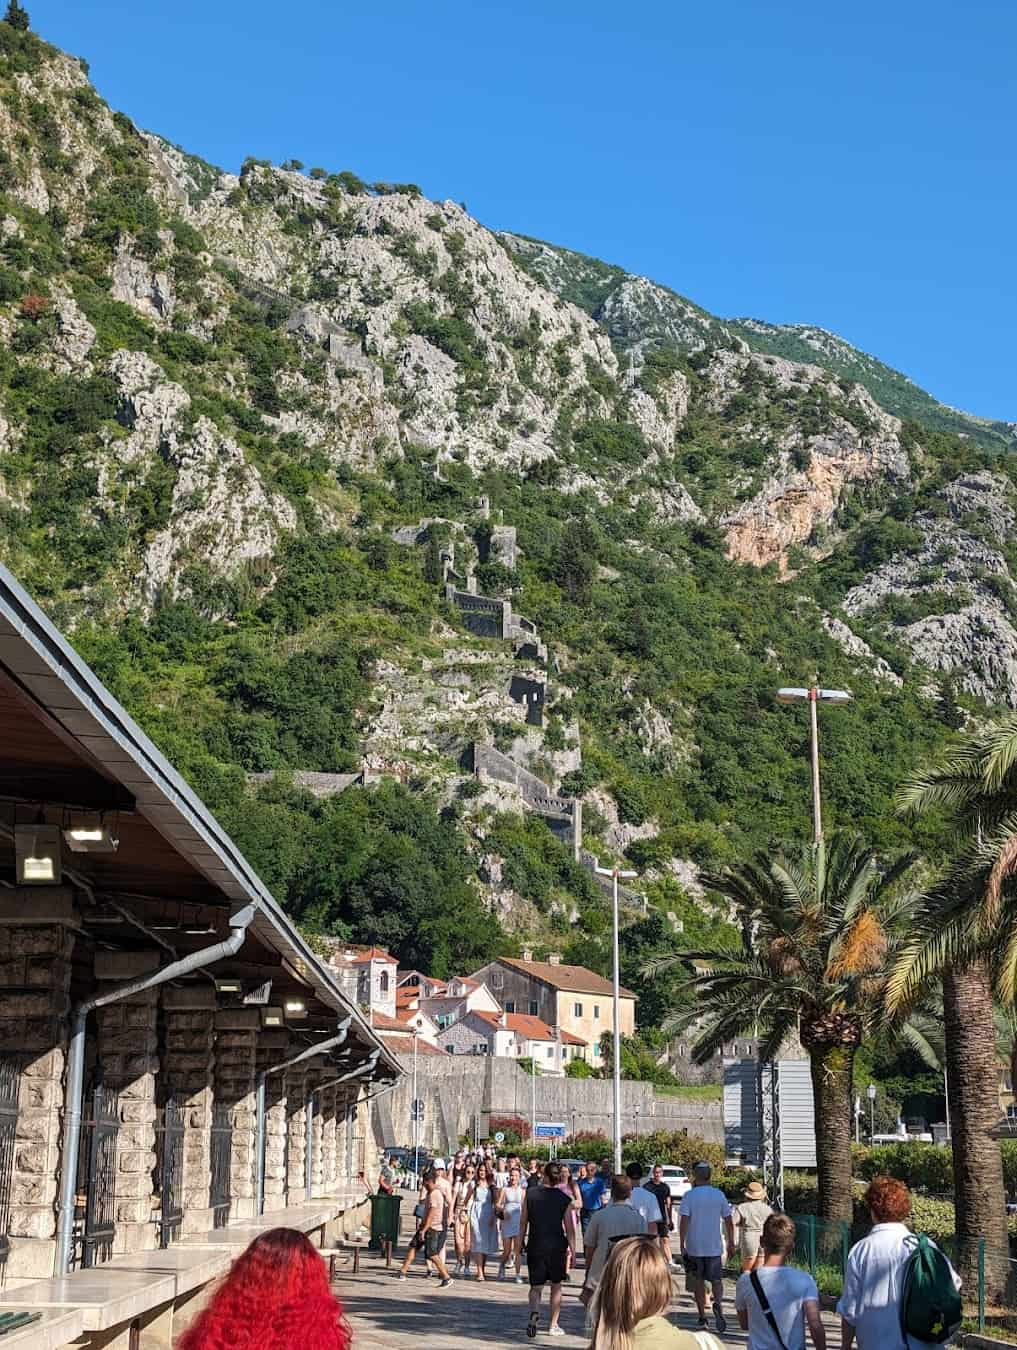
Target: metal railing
(171,1171)
(10,1082)
(221,1151)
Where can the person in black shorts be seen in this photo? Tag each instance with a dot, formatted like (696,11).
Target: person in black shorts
(658,1186)
(542,1225)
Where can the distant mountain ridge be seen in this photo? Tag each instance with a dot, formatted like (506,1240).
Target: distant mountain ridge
(640,314)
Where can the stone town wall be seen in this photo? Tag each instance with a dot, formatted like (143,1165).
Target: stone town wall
(458,1087)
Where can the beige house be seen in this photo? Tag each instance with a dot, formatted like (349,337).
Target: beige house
(577,1000)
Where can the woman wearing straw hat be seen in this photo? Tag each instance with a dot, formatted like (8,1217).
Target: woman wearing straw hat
(751,1214)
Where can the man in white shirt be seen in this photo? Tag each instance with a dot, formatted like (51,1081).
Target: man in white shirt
(643,1200)
(790,1299)
(703,1210)
(870,1305)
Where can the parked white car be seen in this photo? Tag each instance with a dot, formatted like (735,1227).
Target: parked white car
(675,1178)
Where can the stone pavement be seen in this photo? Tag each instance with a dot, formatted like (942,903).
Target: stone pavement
(397,1316)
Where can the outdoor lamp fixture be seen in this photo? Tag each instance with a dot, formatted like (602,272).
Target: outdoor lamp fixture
(37,854)
(813,696)
(94,838)
(295,1007)
(271,1017)
(228,986)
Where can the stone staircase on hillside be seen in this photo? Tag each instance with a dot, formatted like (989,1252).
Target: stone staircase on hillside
(564,815)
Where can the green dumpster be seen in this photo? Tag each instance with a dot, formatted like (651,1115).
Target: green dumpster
(384,1220)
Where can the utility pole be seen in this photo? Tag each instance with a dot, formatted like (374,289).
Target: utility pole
(813,696)
(414,1113)
(614,873)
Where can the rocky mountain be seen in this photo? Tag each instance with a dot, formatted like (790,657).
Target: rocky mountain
(327,478)
(641,314)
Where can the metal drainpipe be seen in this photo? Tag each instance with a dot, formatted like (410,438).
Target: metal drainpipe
(239,924)
(363,1068)
(259,1127)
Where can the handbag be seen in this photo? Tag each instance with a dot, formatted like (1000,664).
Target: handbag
(764,1303)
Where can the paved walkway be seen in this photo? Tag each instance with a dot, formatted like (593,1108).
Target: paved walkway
(386,1313)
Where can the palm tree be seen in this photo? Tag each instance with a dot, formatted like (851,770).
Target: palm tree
(816,930)
(966,934)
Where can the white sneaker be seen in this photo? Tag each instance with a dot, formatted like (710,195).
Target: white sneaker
(555,1330)
(519,1279)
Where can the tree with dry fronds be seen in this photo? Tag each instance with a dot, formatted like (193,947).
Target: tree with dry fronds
(817,930)
(965,933)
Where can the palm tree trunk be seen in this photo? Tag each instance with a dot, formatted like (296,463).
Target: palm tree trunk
(972,1072)
(832,1078)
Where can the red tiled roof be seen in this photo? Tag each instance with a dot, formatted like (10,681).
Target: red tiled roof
(382,1022)
(529,1027)
(403,1045)
(574,979)
(365,954)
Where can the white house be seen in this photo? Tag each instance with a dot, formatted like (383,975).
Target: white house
(512,1036)
(459,997)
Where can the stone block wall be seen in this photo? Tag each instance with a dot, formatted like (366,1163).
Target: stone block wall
(296,1111)
(188,1066)
(236,1040)
(128,1052)
(35,973)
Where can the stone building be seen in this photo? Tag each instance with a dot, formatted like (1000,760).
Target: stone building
(178,1070)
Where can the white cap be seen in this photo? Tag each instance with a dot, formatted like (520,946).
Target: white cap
(439,1162)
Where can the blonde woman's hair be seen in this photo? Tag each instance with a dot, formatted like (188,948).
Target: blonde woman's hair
(635,1285)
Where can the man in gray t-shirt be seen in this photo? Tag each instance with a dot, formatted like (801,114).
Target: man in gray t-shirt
(776,1302)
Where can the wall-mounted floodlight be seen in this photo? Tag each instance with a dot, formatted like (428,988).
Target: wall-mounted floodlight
(272,1017)
(229,986)
(91,839)
(295,1007)
(37,854)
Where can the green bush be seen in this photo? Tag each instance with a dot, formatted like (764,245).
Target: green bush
(922,1166)
(672,1146)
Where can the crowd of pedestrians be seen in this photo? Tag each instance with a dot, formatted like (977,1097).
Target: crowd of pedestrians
(277,1297)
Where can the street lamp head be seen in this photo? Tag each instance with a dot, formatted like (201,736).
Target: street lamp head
(871,1092)
(619,872)
(795,695)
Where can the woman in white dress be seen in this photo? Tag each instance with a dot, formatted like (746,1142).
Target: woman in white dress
(510,1211)
(482,1198)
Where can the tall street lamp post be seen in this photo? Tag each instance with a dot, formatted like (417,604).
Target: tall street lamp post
(813,696)
(615,873)
(871,1093)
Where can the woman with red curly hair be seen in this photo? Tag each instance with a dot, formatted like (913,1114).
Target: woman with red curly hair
(870,1304)
(276,1297)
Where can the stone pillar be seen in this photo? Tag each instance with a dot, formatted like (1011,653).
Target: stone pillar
(189,1067)
(317,1139)
(296,1115)
(236,1039)
(127,1050)
(274,1046)
(326,1105)
(35,974)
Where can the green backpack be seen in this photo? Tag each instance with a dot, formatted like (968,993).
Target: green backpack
(930,1305)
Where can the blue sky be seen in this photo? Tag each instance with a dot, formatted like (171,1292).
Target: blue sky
(847,165)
